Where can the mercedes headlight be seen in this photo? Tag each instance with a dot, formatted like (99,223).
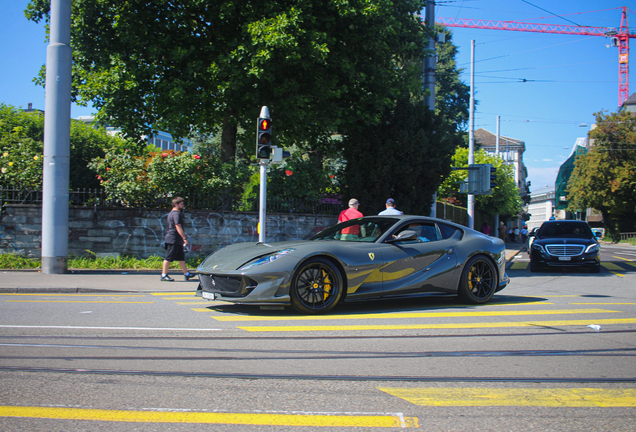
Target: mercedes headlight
(592,248)
(537,247)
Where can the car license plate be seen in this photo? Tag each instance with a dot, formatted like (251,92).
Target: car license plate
(207,295)
(565,258)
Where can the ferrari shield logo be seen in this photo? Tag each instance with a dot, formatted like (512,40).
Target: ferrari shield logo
(372,256)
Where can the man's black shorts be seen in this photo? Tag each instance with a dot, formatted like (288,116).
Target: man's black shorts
(174,252)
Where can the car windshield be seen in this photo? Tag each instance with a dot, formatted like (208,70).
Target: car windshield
(357,230)
(565,230)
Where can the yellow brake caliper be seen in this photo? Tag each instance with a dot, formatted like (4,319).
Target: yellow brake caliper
(326,283)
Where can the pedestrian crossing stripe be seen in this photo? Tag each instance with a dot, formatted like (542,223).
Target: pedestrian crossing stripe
(489,313)
(395,420)
(612,266)
(627,260)
(519,397)
(556,323)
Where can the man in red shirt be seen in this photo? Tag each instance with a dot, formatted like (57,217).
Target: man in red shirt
(348,214)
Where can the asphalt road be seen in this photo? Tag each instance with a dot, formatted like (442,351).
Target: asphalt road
(527,361)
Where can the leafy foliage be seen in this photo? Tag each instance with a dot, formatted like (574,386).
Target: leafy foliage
(129,177)
(605,177)
(320,66)
(92,261)
(22,149)
(504,199)
(405,158)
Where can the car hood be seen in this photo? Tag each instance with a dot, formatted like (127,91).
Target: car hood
(234,256)
(567,241)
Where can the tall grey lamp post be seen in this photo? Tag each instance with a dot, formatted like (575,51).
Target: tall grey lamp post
(57,136)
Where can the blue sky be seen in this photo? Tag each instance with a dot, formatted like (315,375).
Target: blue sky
(568,78)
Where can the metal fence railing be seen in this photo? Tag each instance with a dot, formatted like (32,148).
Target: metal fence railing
(221,202)
(628,235)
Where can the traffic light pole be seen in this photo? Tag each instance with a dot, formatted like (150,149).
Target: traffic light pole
(263,153)
(262,201)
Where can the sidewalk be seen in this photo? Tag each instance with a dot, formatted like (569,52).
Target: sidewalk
(89,281)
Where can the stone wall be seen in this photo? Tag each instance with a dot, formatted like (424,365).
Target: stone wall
(140,232)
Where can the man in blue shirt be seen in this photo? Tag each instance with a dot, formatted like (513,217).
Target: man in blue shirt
(390,208)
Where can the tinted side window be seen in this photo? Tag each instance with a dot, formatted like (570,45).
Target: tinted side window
(426,231)
(448,231)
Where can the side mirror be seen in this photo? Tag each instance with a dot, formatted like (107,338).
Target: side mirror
(404,236)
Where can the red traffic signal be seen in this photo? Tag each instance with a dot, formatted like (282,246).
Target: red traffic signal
(263,138)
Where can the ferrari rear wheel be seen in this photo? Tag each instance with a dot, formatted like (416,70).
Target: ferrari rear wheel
(316,287)
(478,282)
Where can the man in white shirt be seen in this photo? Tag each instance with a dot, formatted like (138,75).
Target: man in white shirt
(390,208)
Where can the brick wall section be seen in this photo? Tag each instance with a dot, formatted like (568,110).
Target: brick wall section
(140,232)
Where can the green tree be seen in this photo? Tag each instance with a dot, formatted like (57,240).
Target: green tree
(451,95)
(320,66)
(605,177)
(22,148)
(504,199)
(408,153)
(404,157)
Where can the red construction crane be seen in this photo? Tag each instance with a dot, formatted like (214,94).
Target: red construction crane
(618,38)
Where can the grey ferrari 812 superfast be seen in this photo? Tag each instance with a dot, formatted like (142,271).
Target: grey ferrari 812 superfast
(367,258)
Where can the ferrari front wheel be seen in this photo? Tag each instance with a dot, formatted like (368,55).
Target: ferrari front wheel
(478,282)
(316,287)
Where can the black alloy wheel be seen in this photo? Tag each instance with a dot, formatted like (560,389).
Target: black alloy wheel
(479,281)
(316,287)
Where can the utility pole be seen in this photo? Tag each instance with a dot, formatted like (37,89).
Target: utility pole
(496,227)
(430,64)
(471,134)
(57,137)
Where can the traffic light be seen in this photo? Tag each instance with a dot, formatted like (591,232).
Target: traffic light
(474,179)
(488,175)
(263,137)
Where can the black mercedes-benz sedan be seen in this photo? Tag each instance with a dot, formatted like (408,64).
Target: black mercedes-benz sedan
(565,243)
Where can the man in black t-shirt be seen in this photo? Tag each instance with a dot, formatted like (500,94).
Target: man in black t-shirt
(175,240)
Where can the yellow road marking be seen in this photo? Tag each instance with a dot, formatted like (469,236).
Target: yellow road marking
(559,323)
(627,260)
(411,315)
(611,267)
(200,309)
(200,302)
(192,297)
(71,301)
(522,397)
(72,294)
(173,293)
(316,420)
(515,304)
(600,303)
(519,266)
(550,296)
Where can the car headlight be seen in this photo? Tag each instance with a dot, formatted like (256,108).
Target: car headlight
(592,248)
(266,259)
(537,247)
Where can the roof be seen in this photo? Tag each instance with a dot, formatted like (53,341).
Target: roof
(488,139)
